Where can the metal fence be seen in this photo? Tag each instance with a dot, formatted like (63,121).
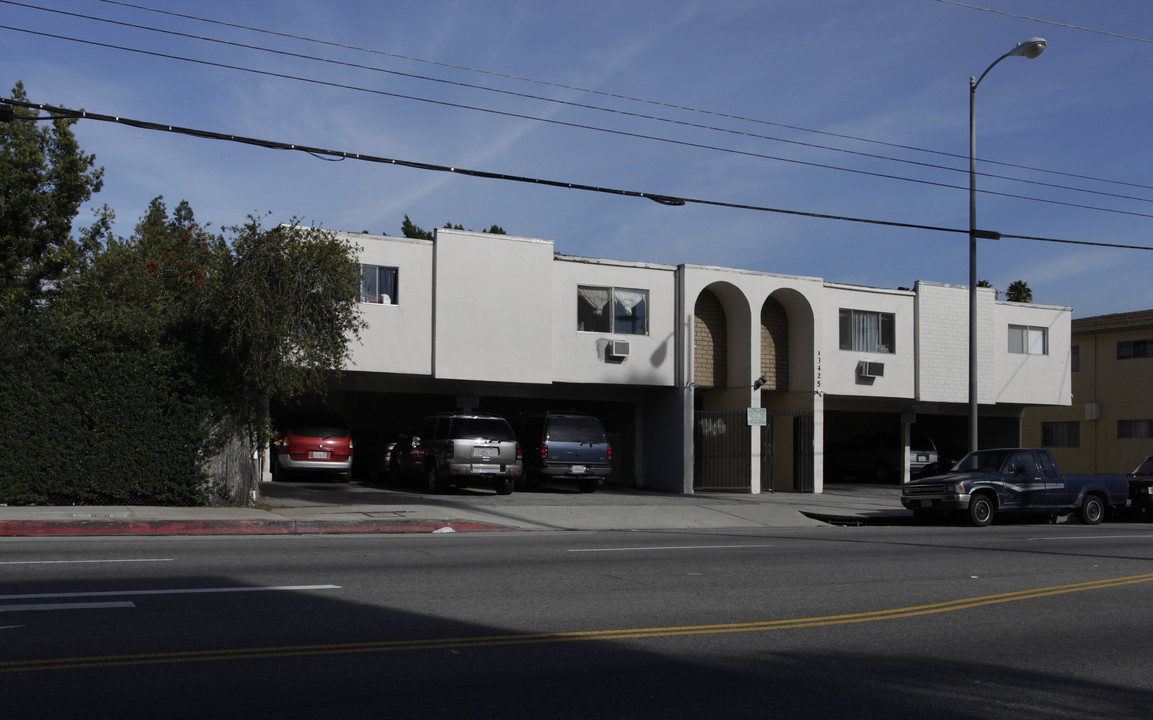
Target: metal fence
(723,450)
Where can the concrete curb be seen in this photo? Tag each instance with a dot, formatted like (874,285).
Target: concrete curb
(29,528)
(880,518)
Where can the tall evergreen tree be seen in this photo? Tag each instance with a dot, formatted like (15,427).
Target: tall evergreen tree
(44,179)
(410,230)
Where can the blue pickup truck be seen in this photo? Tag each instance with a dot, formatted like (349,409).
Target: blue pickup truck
(1018,480)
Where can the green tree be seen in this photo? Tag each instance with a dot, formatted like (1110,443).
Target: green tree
(1019,292)
(44,179)
(257,311)
(289,306)
(409,230)
(132,368)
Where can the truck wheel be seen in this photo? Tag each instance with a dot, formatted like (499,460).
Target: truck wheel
(504,487)
(981,510)
(1092,510)
(433,482)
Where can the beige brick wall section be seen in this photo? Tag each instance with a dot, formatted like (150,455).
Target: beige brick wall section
(710,342)
(775,345)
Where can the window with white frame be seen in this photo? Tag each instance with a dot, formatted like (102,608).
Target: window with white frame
(378,284)
(868,331)
(1028,340)
(621,311)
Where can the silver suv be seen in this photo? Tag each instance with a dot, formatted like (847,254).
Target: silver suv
(462,449)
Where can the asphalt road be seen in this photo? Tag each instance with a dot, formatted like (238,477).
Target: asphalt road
(1018,621)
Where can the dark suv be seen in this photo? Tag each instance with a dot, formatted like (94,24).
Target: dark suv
(563,446)
(463,449)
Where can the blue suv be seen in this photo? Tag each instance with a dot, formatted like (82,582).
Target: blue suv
(564,446)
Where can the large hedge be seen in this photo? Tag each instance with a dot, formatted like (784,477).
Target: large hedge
(94,419)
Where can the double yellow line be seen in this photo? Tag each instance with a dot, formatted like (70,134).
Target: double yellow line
(11,666)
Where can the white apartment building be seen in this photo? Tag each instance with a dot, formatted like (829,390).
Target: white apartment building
(706,378)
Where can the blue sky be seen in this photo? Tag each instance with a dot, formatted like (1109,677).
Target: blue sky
(848,108)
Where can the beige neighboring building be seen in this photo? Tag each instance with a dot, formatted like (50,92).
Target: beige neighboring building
(1109,426)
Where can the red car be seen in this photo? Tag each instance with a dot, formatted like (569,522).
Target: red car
(314,447)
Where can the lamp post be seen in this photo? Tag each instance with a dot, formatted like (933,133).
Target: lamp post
(1031,48)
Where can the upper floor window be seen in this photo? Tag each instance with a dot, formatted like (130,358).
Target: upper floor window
(1075,358)
(624,311)
(1028,340)
(378,284)
(1129,349)
(1061,434)
(868,331)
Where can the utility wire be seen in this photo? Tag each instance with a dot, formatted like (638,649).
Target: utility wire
(619,96)
(569,103)
(69,114)
(1045,22)
(582,126)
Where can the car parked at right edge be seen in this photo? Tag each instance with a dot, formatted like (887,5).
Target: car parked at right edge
(564,446)
(1141,487)
(1015,480)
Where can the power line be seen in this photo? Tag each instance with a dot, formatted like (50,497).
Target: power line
(66,113)
(568,103)
(1038,20)
(620,96)
(563,123)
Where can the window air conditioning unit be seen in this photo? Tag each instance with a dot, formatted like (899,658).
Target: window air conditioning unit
(619,348)
(869,369)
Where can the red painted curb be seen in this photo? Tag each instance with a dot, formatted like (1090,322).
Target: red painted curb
(26,528)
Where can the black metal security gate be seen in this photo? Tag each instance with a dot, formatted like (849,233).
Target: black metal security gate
(723,452)
(803,453)
(768,455)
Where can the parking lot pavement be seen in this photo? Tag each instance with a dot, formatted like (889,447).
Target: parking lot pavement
(322,507)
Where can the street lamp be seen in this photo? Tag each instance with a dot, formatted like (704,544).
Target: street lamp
(1031,48)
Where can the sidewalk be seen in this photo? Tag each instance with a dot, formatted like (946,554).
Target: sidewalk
(318,508)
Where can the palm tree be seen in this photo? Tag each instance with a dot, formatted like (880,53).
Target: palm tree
(1019,292)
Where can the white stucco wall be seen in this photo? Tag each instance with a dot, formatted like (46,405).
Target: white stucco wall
(839,367)
(1002,377)
(1030,378)
(492,315)
(398,338)
(579,356)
